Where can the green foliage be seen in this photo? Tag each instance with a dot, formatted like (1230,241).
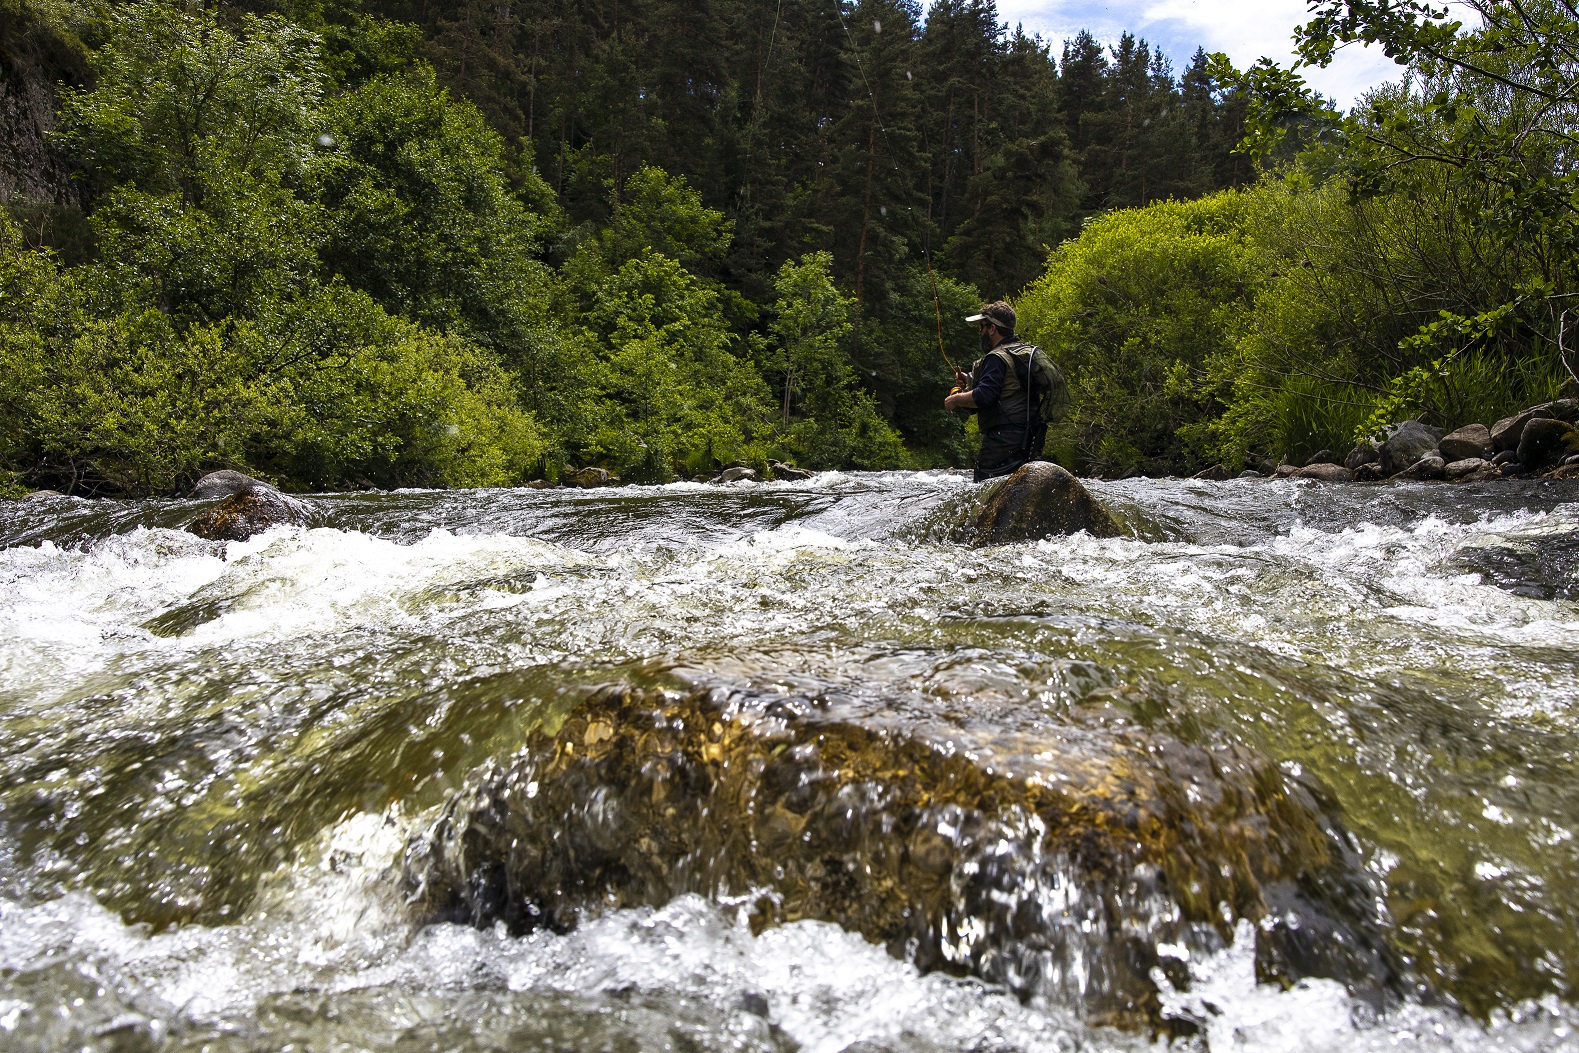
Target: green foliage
(322,391)
(675,399)
(180,102)
(1133,311)
(827,420)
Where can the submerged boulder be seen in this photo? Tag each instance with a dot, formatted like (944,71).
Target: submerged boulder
(250,507)
(1039,500)
(224,483)
(1059,880)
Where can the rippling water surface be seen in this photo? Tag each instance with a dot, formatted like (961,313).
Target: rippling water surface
(212,756)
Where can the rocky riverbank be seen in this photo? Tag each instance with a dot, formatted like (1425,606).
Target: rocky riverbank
(1540,441)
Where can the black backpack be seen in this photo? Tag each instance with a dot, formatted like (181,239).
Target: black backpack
(1035,370)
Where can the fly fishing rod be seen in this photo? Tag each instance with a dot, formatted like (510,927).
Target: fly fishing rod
(937,308)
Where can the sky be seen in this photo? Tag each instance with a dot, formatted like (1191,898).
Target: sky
(1244,29)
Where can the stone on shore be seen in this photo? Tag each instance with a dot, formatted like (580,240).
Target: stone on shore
(788,471)
(1506,433)
(1470,441)
(1216,473)
(1428,467)
(1407,445)
(1366,452)
(1545,441)
(1326,473)
(589,478)
(1469,466)
(1039,500)
(736,475)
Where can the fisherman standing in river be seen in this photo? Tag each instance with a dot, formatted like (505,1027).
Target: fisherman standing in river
(1006,388)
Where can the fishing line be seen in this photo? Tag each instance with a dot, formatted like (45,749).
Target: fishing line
(838,6)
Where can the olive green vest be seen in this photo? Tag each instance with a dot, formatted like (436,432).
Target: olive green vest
(1014,401)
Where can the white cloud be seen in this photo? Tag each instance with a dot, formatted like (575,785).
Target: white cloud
(1244,29)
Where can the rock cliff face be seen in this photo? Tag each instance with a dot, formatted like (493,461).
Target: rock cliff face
(1070,880)
(34,55)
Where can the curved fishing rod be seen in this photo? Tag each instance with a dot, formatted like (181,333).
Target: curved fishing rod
(937,309)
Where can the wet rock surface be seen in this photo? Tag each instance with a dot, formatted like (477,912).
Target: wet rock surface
(1039,500)
(1540,566)
(1060,881)
(250,508)
(224,483)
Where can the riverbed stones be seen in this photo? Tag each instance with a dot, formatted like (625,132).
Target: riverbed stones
(1056,876)
(1428,467)
(1407,445)
(781,470)
(1366,452)
(1473,441)
(737,474)
(1545,441)
(1325,472)
(250,508)
(1039,500)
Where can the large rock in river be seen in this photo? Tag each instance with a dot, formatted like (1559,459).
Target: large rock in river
(1037,501)
(250,507)
(1067,870)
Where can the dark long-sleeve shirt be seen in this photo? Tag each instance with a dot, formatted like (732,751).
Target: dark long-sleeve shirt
(989,385)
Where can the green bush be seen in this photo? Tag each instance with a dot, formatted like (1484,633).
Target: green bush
(1132,311)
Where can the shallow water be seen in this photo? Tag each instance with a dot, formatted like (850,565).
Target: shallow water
(211,756)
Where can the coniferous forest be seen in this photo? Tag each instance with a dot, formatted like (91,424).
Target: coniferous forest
(348,243)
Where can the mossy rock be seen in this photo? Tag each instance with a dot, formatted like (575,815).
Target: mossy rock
(1039,500)
(1059,882)
(251,511)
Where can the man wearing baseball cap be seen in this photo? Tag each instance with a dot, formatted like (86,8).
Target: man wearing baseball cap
(999,390)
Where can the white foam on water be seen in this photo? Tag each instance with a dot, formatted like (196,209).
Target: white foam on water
(337,928)
(1317,1016)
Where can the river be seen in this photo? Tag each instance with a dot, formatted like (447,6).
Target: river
(215,758)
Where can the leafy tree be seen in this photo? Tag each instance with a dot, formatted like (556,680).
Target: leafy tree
(674,397)
(1133,311)
(827,420)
